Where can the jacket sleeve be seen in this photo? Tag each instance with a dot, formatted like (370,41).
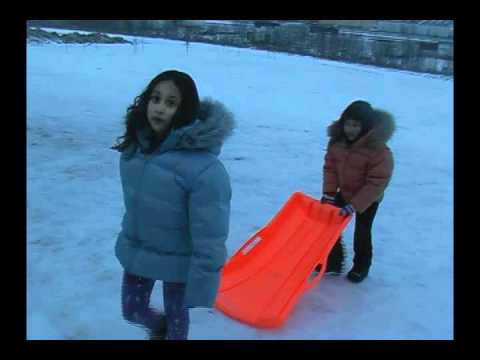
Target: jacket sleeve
(379,174)
(209,216)
(330,182)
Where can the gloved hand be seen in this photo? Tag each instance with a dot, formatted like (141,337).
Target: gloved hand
(327,199)
(347,210)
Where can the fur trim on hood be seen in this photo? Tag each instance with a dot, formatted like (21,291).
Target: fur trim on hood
(381,133)
(214,125)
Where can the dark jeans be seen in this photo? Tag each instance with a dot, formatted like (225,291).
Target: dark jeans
(136,292)
(362,238)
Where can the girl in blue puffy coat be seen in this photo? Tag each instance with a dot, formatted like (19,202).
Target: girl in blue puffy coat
(177,203)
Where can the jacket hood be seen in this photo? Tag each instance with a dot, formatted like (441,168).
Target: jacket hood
(381,132)
(214,124)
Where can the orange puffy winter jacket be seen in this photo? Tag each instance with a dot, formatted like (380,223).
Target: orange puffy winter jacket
(360,171)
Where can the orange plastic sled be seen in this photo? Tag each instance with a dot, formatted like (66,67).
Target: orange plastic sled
(265,278)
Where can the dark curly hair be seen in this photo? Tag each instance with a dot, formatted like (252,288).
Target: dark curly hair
(136,117)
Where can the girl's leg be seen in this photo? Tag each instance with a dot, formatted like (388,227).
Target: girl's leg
(177,314)
(336,258)
(362,239)
(136,291)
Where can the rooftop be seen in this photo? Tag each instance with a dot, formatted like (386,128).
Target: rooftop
(424,22)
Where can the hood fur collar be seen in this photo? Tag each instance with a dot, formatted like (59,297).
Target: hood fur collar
(213,126)
(380,134)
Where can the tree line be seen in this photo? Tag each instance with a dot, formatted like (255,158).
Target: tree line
(123,26)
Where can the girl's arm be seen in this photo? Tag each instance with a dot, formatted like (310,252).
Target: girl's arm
(330,182)
(209,216)
(378,176)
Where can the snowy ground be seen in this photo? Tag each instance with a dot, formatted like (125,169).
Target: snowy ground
(76,97)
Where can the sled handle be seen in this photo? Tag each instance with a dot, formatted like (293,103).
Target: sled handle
(245,249)
(315,275)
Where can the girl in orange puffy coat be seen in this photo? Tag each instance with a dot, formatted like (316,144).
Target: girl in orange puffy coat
(357,169)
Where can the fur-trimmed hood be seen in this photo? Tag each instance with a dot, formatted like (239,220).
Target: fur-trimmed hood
(215,123)
(379,135)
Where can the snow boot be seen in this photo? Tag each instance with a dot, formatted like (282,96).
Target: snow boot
(357,274)
(161,331)
(336,259)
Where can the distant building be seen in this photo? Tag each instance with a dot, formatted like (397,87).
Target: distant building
(267,23)
(423,28)
(362,24)
(221,26)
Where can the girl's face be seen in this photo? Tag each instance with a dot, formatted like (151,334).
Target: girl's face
(352,129)
(164,102)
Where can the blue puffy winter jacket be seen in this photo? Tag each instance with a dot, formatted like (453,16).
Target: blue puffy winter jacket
(177,202)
